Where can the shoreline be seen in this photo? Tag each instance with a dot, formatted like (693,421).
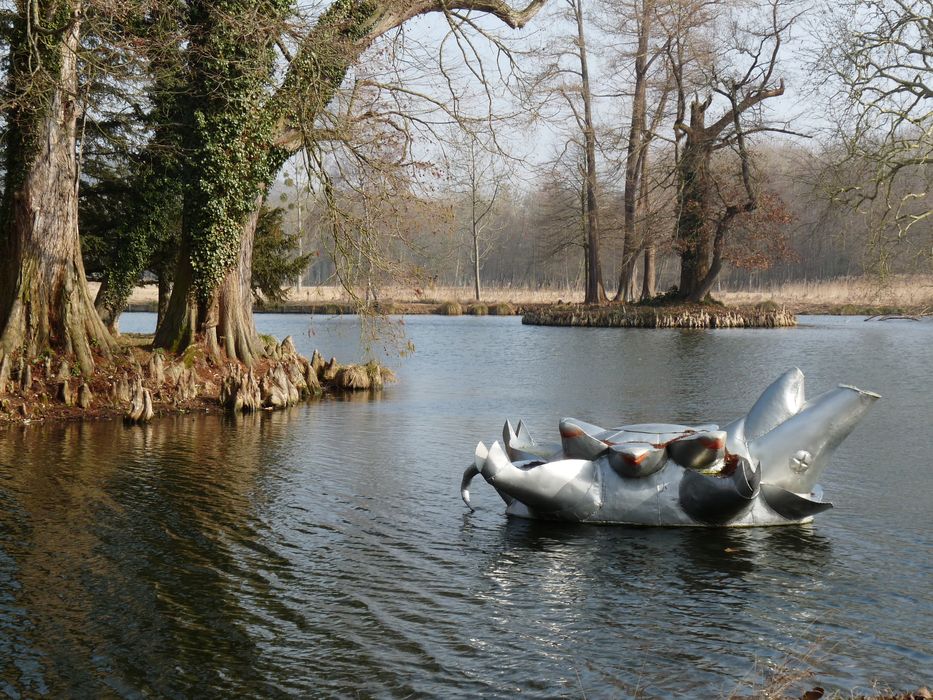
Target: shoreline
(519,309)
(137,383)
(910,295)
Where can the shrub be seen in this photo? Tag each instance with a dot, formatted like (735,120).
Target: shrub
(353,377)
(450,308)
(502,309)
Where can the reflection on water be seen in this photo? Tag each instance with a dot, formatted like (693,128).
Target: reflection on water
(324,551)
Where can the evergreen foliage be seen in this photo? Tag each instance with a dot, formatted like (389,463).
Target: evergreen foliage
(275,264)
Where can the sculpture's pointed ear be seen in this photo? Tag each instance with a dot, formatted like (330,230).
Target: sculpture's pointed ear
(509,437)
(479,455)
(781,400)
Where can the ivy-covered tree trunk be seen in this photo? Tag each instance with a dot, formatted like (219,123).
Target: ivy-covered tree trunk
(239,136)
(234,138)
(229,163)
(235,327)
(147,235)
(45,303)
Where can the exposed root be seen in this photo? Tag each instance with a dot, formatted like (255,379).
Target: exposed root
(330,370)
(138,384)
(379,376)
(141,410)
(64,392)
(85,397)
(317,362)
(239,391)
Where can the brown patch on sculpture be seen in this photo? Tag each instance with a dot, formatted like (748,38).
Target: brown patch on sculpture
(712,443)
(730,464)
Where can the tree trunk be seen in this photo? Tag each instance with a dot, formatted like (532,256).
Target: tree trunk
(110,317)
(476,287)
(649,283)
(636,143)
(595,291)
(45,302)
(235,327)
(694,233)
(165,293)
(176,330)
(226,321)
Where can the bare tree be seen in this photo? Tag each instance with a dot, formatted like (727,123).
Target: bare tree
(651,44)
(478,180)
(595,291)
(879,56)
(702,226)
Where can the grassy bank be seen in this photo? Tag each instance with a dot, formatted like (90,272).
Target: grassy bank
(862,296)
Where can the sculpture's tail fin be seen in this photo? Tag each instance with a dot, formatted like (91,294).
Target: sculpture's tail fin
(468,475)
(488,463)
(479,460)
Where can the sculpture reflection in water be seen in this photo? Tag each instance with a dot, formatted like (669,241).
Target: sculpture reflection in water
(761,469)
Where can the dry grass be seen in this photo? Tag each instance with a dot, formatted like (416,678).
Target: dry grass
(907,291)
(353,378)
(678,316)
(503,308)
(449,308)
(379,376)
(915,291)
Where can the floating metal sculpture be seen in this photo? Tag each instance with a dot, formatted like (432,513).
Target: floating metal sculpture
(761,469)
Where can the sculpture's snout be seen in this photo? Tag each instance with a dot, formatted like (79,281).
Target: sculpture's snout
(794,453)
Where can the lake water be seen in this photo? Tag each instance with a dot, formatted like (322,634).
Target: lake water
(324,551)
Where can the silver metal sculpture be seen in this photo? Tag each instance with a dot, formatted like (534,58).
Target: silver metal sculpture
(761,469)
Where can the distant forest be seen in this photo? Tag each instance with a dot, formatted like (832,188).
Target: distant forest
(536,238)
